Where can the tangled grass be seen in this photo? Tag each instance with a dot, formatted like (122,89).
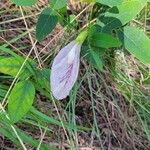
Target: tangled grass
(106,110)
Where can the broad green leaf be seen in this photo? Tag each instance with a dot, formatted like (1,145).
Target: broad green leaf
(16,56)
(46,23)
(94,29)
(20,100)
(97,59)
(110,2)
(122,14)
(137,43)
(58,4)
(24,2)
(104,40)
(12,65)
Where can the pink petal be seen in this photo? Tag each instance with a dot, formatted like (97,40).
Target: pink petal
(64,71)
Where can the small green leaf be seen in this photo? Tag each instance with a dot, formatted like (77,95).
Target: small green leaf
(122,14)
(110,2)
(24,2)
(104,40)
(97,60)
(46,23)
(58,4)
(12,65)
(20,100)
(93,55)
(137,43)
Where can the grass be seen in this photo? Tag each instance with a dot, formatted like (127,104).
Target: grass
(105,110)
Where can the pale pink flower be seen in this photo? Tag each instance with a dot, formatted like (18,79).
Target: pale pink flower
(64,71)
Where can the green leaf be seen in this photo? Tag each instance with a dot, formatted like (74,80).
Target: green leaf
(110,2)
(97,60)
(3,91)
(12,65)
(122,14)
(46,23)
(104,40)
(9,51)
(26,138)
(24,2)
(137,43)
(39,116)
(43,78)
(69,23)
(20,100)
(21,59)
(93,55)
(58,4)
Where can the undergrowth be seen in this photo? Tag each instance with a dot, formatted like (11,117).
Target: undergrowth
(106,109)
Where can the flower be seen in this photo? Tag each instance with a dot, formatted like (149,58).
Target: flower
(65,68)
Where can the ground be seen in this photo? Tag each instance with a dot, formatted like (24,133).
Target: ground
(112,106)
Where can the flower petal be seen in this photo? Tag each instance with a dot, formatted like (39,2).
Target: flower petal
(65,70)
(63,52)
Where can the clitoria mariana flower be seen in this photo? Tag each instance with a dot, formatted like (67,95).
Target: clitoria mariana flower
(65,68)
